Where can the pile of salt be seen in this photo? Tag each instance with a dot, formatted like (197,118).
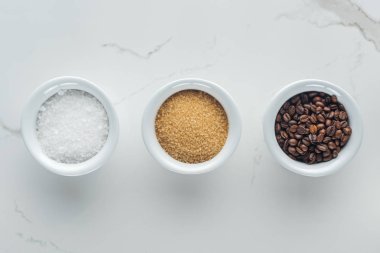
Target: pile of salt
(72,126)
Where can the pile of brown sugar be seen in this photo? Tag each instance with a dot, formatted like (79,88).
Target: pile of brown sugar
(191,126)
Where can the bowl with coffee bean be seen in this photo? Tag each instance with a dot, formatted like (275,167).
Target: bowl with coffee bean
(313,127)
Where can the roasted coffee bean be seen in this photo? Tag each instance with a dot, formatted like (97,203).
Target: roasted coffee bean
(347,130)
(321,118)
(300,110)
(327,139)
(293,128)
(284,135)
(336,114)
(330,115)
(284,125)
(304,147)
(286,117)
(332,145)
(302,130)
(342,115)
(312,138)
(327,109)
(312,94)
(322,147)
(295,99)
(317,99)
(304,98)
(338,134)
(313,118)
(312,157)
(293,142)
(300,151)
(278,127)
(330,131)
(320,126)
(306,141)
(319,158)
(312,127)
(319,103)
(344,140)
(292,110)
(304,118)
(320,137)
(328,158)
(278,118)
(286,145)
(292,151)
(326,153)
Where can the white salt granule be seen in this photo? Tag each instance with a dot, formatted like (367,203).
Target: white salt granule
(72,126)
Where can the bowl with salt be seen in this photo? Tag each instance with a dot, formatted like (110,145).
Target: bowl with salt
(69,126)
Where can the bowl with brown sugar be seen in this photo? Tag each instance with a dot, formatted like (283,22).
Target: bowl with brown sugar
(191,126)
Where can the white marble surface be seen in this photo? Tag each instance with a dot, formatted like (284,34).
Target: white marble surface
(131,48)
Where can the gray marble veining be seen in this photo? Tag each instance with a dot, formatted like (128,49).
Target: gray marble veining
(132,52)
(325,13)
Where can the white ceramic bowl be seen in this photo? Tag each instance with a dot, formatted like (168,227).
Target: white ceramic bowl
(324,168)
(28,126)
(154,147)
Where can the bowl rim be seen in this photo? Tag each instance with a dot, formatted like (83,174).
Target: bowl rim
(163,93)
(28,121)
(320,169)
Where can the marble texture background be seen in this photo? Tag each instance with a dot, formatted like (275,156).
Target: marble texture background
(131,48)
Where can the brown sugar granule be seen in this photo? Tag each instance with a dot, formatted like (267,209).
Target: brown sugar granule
(191,126)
